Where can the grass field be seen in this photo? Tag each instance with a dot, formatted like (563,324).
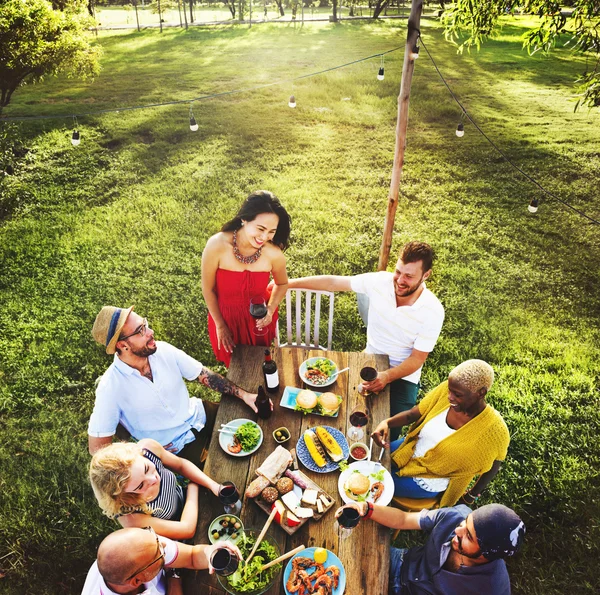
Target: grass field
(123,218)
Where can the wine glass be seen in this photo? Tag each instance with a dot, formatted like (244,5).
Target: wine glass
(359,417)
(348,519)
(230,497)
(224,561)
(258,310)
(368,373)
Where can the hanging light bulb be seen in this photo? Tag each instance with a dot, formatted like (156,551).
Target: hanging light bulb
(292,101)
(75,139)
(414,53)
(533,205)
(193,123)
(460,129)
(381,75)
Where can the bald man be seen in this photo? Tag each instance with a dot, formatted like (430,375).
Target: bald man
(137,560)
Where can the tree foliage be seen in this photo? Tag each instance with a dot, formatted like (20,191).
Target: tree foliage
(468,23)
(37,40)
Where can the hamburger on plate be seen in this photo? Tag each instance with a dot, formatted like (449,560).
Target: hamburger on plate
(329,402)
(306,399)
(357,486)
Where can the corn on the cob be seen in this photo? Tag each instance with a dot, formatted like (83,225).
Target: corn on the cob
(329,444)
(314,448)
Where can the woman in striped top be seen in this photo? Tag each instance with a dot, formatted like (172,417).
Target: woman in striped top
(136,484)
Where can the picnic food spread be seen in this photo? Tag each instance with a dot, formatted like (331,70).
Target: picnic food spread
(274,489)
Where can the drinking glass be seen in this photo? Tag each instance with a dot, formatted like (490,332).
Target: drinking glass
(224,561)
(349,518)
(230,497)
(359,417)
(258,310)
(368,373)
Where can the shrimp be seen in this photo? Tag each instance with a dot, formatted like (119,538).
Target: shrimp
(376,490)
(236,446)
(299,579)
(335,575)
(323,585)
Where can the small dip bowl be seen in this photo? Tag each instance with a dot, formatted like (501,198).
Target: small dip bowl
(359,451)
(281,435)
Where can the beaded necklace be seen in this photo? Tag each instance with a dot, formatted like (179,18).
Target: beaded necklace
(244,259)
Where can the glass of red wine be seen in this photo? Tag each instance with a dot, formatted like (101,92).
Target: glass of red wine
(359,418)
(224,561)
(368,373)
(230,497)
(348,519)
(258,310)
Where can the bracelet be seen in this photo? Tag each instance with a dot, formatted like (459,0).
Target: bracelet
(475,498)
(370,510)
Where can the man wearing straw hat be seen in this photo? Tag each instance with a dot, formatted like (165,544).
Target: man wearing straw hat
(143,390)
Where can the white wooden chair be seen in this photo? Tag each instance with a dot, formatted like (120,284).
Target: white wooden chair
(299,318)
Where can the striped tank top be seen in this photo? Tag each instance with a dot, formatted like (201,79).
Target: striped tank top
(168,504)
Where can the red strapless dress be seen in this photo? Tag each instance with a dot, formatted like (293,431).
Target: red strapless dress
(234,290)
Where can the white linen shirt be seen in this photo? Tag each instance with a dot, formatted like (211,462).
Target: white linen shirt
(161,409)
(95,585)
(396,331)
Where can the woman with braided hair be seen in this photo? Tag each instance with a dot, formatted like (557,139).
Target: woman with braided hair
(455,436)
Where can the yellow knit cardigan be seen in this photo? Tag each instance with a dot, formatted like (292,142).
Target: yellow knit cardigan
(468,452)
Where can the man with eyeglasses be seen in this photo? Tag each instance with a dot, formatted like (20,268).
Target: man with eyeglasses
(143,390)
(137,560)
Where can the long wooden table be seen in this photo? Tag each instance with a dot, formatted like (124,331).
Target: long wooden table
(365,554)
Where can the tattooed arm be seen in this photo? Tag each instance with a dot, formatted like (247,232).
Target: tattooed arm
(226,387)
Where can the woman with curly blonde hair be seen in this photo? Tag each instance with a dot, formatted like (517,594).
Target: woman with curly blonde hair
(455,436)
(136,484)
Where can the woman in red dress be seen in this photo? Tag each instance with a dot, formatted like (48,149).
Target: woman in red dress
(237,264)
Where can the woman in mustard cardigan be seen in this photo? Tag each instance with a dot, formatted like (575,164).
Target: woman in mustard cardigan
(455,436)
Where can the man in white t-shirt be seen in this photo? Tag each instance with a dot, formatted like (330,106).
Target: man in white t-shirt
(137,560)
(404,318)
(144,392)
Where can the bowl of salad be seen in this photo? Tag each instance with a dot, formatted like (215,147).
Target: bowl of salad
(318,371)
(240,437)
(251,579)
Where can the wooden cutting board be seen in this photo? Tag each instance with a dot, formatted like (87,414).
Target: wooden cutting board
(317,516)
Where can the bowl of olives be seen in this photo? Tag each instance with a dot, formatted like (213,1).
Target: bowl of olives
(226,527)
(281,435)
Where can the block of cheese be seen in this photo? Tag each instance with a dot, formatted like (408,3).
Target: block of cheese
(319,506)
(304,513)
(310,497)
(290,500)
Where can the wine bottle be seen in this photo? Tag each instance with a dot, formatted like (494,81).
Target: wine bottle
(269,369)
(263,404)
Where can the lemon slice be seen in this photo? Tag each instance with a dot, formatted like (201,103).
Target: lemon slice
(320,555)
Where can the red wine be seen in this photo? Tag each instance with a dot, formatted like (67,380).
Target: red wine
(228,493)
(258,311)
(349,518)
(224,561)
(270,373)
(263,404)
(359,419)
(368,374)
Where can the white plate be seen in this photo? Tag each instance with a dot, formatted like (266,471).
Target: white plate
(366,468)
(331,379)
(226,438)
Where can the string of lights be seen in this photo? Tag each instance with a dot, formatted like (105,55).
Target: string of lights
(202,97)
(460,131)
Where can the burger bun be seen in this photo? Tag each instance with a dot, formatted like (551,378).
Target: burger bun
(329,403)
(357,485)
(306,399)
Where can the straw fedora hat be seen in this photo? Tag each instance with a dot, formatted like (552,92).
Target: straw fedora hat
(108,324)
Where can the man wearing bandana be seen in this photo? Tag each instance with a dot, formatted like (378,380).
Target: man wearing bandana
(464,553)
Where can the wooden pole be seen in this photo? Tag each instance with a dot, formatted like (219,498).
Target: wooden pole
(414,22)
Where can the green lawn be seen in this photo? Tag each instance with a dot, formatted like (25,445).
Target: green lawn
(123,219)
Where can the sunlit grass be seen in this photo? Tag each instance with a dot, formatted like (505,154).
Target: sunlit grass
(124,217)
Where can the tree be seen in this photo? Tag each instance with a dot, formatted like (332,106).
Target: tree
(36,40)
(468,23)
